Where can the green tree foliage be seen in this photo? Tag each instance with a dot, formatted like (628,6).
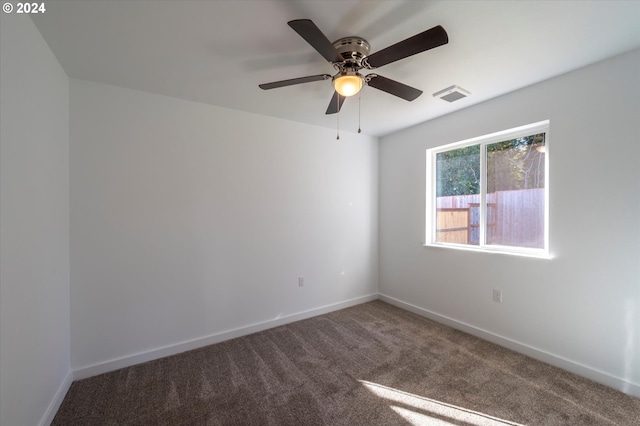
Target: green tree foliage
(511,164)
(458,171)
(515,164)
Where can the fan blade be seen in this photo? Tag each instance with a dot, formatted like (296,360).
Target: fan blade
(336,103)
(426,40)
(312,34)
(393,87)
(292,81)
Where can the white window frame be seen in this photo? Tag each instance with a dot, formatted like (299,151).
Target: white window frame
(483,141)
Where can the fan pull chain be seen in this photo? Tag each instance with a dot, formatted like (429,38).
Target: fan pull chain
(359,113)
(338,118)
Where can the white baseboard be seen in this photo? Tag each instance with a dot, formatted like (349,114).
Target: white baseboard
(566,364)
(127,361)
(55,403)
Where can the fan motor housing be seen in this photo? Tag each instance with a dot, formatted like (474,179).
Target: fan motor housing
(352,49)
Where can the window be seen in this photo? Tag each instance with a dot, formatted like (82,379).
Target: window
(490,193)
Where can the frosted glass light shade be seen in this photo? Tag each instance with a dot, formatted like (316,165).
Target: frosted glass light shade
(348,85)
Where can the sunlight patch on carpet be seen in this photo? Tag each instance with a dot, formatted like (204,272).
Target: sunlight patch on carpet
(419,410)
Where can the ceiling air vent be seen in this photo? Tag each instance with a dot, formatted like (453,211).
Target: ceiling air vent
(452,93)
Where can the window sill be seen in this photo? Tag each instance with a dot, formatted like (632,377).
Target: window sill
(536,254)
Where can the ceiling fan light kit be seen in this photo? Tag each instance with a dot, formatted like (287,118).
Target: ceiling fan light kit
(349,55)
(348,83)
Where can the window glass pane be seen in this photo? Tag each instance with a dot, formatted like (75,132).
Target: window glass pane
(515,192)
(458,195)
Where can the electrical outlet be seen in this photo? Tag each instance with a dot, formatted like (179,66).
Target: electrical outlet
(300,281)
(497,295)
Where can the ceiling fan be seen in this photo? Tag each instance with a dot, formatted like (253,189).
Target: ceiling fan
(349,55)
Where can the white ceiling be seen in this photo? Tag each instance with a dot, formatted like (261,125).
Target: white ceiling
(217,52)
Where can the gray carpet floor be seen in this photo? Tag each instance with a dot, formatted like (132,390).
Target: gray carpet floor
(372,364)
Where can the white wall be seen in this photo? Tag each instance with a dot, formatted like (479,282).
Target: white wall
(580,309)
(189,220)
(34,226)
